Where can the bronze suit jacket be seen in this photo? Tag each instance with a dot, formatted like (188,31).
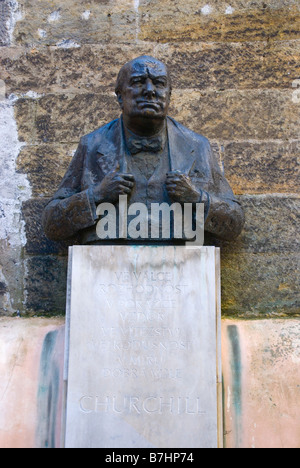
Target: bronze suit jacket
(72,210)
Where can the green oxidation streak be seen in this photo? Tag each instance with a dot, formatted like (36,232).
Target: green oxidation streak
(48,394)
(236,366)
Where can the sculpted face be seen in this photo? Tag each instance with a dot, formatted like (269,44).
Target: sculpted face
(144,89)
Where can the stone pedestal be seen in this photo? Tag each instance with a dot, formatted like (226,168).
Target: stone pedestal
(143,347)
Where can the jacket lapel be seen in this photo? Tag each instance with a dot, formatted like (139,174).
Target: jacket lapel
(111,150)
(182,153)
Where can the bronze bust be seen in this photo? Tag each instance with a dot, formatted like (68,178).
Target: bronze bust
(145,155)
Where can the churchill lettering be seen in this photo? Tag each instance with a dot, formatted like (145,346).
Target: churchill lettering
(134,404)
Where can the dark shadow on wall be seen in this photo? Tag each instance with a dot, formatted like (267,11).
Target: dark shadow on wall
(46,264)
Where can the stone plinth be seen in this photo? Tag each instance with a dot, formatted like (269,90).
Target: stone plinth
(143,344)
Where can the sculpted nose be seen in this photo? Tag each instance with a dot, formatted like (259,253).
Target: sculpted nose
(149,88)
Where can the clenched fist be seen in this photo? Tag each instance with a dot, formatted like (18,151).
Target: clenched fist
(181,189)
(114,184)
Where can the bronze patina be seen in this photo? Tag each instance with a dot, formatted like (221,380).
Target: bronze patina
(146,155)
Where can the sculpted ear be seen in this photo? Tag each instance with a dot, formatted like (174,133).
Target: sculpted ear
(120,99)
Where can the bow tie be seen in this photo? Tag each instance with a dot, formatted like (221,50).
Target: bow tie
(149,145)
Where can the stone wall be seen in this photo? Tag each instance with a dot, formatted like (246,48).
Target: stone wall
(234,65)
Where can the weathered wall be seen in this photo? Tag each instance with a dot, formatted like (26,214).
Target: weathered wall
(234,65)
(236,78)
(261,380)
(31,384)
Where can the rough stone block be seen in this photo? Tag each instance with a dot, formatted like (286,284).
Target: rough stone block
(270,24)
(228,115)
(260,285)
(66,118)
(94,68)
(210,22)
(36,241)
(272,223)
(238,114)
(262,167)
(45,166)
(25,110)
(271,226)
(260,269)
(4,18)
(57,23)
(89,68)
(158,21)
(63,118)
(245,65)
(45,285)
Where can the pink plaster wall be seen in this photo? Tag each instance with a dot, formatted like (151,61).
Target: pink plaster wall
(261,369)
(25,365)
(261,383)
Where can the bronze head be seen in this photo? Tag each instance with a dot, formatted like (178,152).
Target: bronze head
(144,90)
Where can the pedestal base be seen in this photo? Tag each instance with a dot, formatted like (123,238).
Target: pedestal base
(143,348)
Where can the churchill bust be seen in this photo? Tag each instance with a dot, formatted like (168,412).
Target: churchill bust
(147,157)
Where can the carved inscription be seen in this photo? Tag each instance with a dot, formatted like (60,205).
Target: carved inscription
(143,342)
(142,368)
(146,302)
